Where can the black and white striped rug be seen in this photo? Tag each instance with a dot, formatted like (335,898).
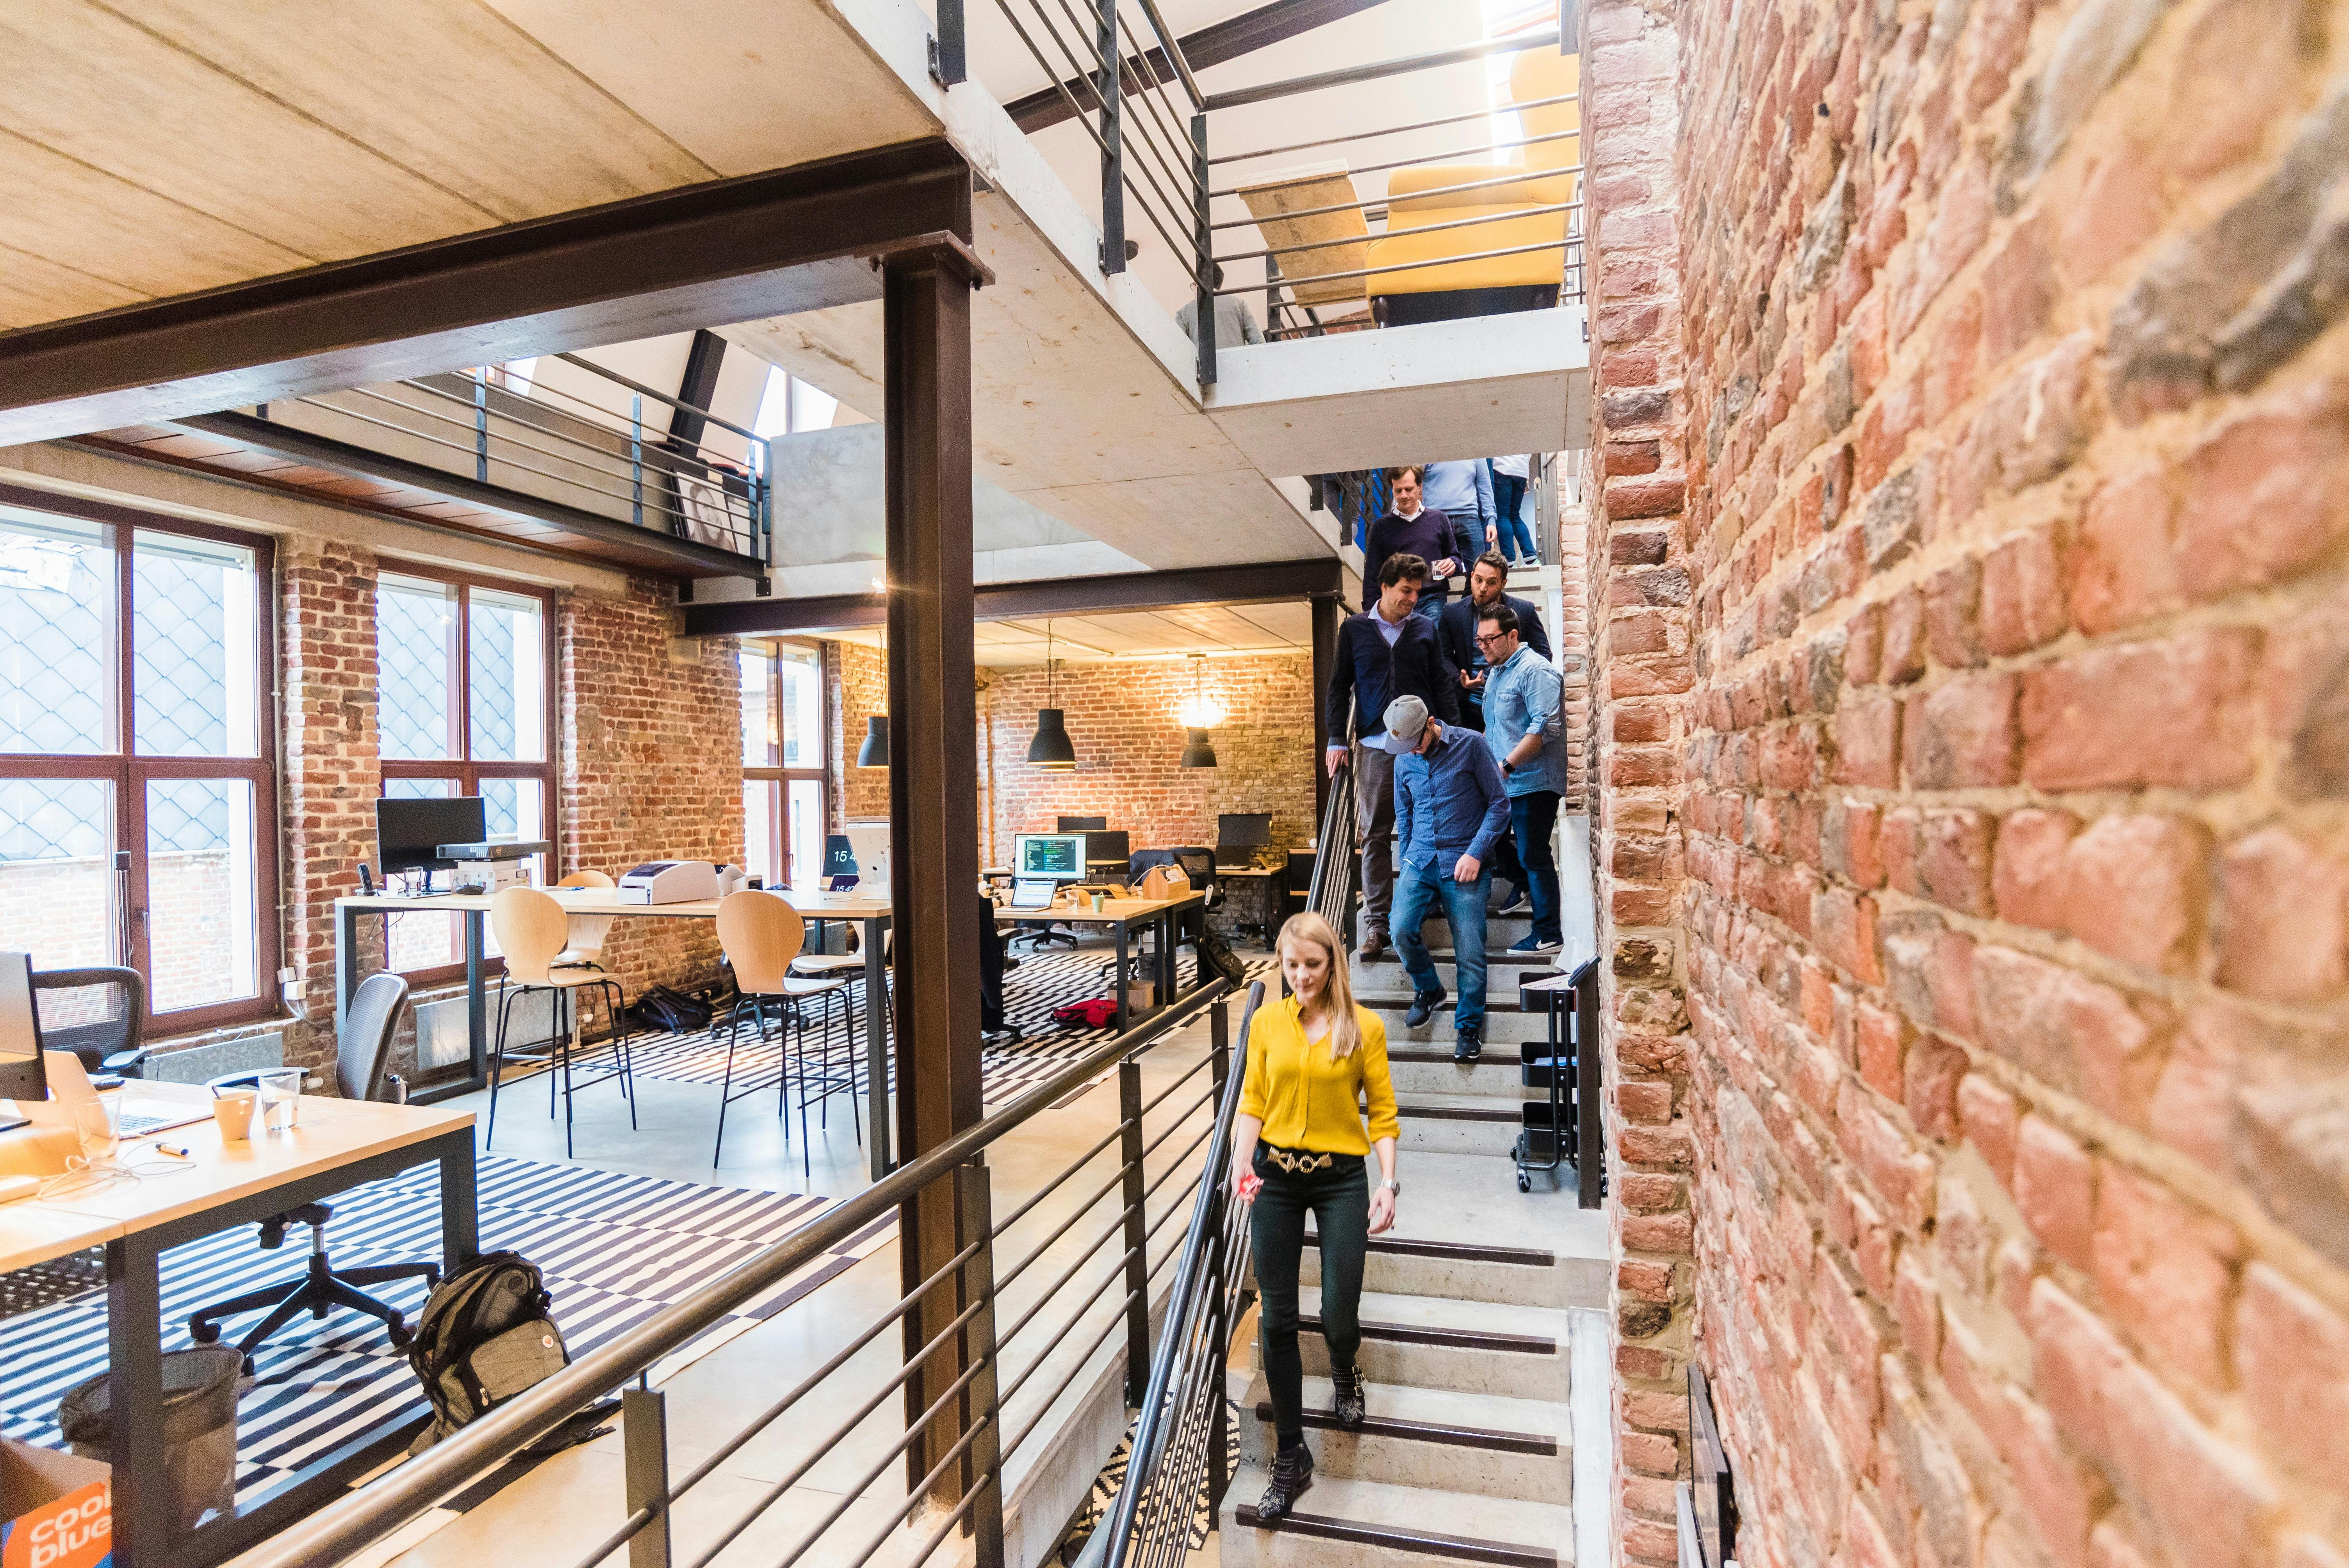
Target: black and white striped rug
(616,1249)
(1042,982)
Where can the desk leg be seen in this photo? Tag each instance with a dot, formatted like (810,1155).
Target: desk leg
(143,1528)
(460,1209)
(1170,931)
(1118,979)
(346,962)
(477,1002)
(877,1122)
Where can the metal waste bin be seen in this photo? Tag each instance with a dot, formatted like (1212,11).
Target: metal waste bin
(199,1428)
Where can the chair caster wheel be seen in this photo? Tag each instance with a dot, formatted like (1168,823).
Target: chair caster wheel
(1525,1182)
(400,1334)
(204,1333)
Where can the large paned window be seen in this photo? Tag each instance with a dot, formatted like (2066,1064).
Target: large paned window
(136,789)
(783,752)
(465,700)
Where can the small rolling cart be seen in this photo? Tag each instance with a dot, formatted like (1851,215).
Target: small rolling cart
(1561,1125)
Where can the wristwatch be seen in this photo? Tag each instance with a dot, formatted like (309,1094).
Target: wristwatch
(1507,768)
(1393,1186)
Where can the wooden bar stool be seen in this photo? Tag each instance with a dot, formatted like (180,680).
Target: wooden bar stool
(760,935)
(534,933)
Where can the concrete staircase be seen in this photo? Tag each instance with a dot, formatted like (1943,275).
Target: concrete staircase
(1467,1455)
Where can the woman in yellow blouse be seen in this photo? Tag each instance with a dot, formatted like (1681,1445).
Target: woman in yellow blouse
(1299,1146)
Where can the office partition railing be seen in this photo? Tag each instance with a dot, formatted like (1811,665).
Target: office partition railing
(595,441)
(1071,1271)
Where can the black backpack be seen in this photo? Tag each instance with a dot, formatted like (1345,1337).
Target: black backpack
(487,1333)
(663,1010)
(1216,957)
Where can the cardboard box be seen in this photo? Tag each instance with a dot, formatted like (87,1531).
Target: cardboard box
(1141,996)
(56,1509)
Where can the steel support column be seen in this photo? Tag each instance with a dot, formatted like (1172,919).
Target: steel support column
(1327,613)
(933,780)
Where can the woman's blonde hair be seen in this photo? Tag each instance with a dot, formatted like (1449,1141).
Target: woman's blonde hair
(1345,1030)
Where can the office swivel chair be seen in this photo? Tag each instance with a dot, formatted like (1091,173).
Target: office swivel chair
(105,1045)
(362,1071)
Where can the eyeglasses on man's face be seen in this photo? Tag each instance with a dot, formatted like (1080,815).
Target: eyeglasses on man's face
(1487,639)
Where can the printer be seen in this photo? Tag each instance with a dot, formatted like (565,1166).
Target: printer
(493,865)
(669,882)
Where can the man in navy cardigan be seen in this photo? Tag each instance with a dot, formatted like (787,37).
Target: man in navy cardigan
(1386,652)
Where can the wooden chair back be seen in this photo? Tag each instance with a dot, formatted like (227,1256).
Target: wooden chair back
(531,930)
(761,935)
(588,931)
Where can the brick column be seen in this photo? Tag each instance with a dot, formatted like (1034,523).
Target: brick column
(1641,668)
(326,599)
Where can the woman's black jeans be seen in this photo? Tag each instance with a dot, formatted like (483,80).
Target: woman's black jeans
(1339,1199)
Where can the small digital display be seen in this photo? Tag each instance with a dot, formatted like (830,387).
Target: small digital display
(1060,856)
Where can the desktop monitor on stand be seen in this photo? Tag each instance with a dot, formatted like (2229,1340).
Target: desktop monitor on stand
(409,831)
(21,1076)
(1238,836)
(1041,863)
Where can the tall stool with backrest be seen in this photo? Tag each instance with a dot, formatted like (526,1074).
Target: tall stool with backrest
(362,1071)
(111,1045)
(583,941)
(534,933)
(760,935)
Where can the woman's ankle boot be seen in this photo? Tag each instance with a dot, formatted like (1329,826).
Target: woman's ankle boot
(1348,1381)
(1292,1472)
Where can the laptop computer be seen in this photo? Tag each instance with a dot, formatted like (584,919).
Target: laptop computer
(1032,892)
(70,1083)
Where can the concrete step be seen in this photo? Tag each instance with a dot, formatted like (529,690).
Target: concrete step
(1431,1341)
(1430,1069)
(1505,1029)
(1385,977)
(1464,1231)
(1458,1123)
(1343,1520)
(1479,1443)
(1500,930)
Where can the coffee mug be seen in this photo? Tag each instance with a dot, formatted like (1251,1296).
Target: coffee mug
(232,1110)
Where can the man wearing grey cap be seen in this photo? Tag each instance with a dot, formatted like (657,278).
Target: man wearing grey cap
(1451,805)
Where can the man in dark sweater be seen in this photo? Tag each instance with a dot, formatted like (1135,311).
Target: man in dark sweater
(1413,528)
(1384,653)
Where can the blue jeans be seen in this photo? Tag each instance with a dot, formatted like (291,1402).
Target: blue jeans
(1533,818)
(1418,887)
(1431,601)
(1515,534)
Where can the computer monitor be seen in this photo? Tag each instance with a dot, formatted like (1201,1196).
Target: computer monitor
(1083,824)
(1102,846)
(1061,857)
(21,1076)
(1246,829)
(870,840)
(409,833)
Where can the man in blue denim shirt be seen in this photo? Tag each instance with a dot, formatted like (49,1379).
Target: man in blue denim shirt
(1522,694)
(1450,805)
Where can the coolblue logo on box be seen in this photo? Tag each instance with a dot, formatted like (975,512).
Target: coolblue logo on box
(75,1531)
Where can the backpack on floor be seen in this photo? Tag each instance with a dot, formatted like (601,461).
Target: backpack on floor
(1094,1013)
(1216,957)
(664,1010)
(487,1333)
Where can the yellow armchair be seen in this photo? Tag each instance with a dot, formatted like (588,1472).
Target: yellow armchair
(1424,194)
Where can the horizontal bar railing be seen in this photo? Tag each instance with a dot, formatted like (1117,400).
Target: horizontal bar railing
(1393,129)
(1482,150)
(972,1466)
(1400,233)
(1346,75)
(1429,264)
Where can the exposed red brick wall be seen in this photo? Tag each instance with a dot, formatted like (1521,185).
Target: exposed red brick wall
(1573,645)
(1641,664)
(651,764)
(859,677)
(1122,719)
(2009,778)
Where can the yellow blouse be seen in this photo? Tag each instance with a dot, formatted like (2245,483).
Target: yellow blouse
(1305,1099)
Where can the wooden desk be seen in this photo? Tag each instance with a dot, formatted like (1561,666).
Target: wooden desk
(869,911)
(1122,915)
(335,1145)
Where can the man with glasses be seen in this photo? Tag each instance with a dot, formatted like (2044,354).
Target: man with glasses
(1455,634)
(1525,730)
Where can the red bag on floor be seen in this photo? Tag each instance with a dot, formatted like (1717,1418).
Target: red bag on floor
(1095,1012)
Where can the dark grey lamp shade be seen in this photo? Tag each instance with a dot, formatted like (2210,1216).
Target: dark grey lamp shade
(1051,748)
(1197,752)
(874,752)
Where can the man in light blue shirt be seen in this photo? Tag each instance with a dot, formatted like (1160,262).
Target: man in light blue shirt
(1522,695)
(1451,808)
(1462,491)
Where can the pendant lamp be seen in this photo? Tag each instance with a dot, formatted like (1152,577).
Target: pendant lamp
(1197,716)
(1051,748)
(874,752)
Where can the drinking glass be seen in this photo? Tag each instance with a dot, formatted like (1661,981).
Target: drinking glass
(281,1095)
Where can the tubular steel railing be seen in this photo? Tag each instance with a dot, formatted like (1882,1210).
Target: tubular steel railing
(1175,1464)
(684,471)
(974,1395)
(1336,866)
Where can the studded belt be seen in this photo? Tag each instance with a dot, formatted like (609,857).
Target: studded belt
(1298,1163)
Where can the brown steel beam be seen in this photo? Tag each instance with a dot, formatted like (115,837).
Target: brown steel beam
(732,249)
(1210,46)
(1268,581)
(685,557)
(1327,613)
(933,790)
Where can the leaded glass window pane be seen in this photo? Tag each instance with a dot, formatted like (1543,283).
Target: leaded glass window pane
(200,888)
(193,604)
(416,632)
(57,634)
(507,677)
(58,895)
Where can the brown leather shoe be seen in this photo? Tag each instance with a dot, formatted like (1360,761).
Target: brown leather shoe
(1374,944)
